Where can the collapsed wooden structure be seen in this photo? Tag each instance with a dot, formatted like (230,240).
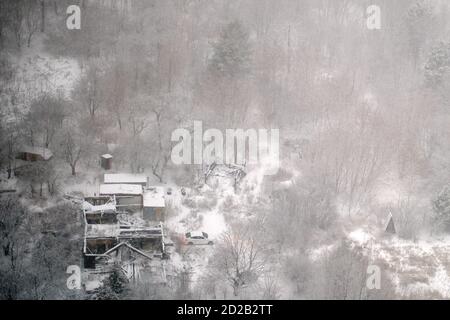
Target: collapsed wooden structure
(99,239)
(123,226)
(115,237)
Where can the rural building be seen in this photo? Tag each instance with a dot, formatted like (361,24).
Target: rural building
(106,161)
(28,153)
(125,178)
(154,204)
(126,195)
(135,245)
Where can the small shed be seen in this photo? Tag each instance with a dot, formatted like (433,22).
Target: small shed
(106,161)
(390,226)
(154,204)
(125,178)
(28,153)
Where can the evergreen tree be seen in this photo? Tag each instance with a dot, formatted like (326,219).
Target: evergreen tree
(115,287)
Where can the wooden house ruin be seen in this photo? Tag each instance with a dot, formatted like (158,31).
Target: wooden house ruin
(100,210)
(101,238)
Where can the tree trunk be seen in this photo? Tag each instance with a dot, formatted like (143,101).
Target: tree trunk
(73,170)
(42,15)
(1,34)
(29,40)
(235,290)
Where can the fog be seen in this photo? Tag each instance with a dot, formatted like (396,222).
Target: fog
(321,169)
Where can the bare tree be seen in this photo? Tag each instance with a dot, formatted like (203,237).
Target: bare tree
(73,148)
(37,174)
(16,22)
(90,89)
(45,118)
(239,257)
(14,237)
(33,19)
(8,141)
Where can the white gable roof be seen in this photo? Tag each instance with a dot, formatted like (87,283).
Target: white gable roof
(128,178)
(124,189)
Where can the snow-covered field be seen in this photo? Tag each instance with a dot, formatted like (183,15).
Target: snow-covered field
(417,268)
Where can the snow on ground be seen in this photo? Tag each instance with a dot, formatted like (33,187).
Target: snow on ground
(320,252)
(440,282)
(420,268)
(38,72)
(210,209)
(215,223)
(361,237)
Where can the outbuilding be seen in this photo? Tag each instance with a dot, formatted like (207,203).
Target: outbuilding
(106,161)
(154,204)
(29,153)
(125,178)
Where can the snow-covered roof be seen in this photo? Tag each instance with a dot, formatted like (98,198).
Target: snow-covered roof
(45,153)
(102,231)
(154,197)
(107,156)
(127,178)
(121,189)
(141,232)
(90,208)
